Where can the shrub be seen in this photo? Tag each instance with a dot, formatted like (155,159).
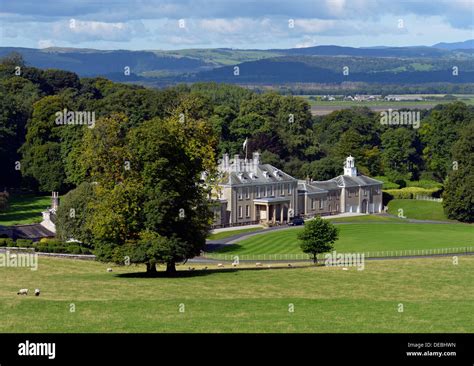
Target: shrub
(386,183)
(7,242)
(411,192)
(24,243)
(424,183)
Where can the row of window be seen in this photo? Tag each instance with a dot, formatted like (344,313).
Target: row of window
(356,192)
(247,211)
(265,191)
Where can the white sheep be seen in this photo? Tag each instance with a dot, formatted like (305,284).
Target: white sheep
(220,265)
(109,270)
(234,264)
(258,264)
(37,291)
(23,291)
(345,269)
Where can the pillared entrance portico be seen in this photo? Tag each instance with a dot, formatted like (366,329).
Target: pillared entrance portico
(275,209)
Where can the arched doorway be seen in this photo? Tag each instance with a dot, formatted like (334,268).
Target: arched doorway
(364,206)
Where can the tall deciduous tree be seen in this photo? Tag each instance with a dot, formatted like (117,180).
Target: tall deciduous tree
(458,196)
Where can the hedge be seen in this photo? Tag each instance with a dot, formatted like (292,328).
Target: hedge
(410,192)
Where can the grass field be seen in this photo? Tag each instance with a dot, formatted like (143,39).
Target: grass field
(415,209)
(437,296)
(226,234)
(363,237)
(25,210)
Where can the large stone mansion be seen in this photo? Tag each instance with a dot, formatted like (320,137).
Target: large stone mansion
(251,192)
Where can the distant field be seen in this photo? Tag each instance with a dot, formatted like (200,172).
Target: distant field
(322,107)
(415,209)
(363,237)
(25,210)
(325,299)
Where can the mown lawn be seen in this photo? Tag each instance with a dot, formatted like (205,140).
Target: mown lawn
(226,234)
(437,296)
(363,237)
(416,209)
(25,210)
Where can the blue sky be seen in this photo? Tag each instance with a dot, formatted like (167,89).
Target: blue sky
(263,24)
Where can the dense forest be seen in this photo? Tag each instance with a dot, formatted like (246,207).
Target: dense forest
(38,154)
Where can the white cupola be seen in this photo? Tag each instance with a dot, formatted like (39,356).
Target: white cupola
(349,167)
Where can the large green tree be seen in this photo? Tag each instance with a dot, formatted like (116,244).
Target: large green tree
(151,205)
(458,196)
(318,236)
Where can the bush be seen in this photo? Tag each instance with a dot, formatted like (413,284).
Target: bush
(24,243)
(411,192)
(424,183)
(386,183)
(7,242)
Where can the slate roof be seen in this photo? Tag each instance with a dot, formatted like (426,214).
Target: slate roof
(309,188)
(31,231)
(264,173)
(338,182)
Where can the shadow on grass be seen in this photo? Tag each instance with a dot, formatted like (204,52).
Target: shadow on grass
(207,272)
(223,248)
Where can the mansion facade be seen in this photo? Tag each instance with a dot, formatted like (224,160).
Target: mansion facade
(251,193)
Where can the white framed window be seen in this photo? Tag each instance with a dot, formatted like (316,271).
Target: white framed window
(321,204)
(239,194)
(365,191)
(357,192)
(257,191)
(289,189)
(247,193)
(313,201)
(240,212)
(247,211)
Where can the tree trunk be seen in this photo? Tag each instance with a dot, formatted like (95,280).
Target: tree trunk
(151,268)
(171,268)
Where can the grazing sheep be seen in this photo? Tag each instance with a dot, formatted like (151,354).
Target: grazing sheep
(344,269)
(289,265)
(205,268)
(191,269)
(220,265)
(258,264)
(23,291)
(37,291)
(269,266)
(109,269)
(234,264)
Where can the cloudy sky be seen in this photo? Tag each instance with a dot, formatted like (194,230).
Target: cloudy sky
(175,24)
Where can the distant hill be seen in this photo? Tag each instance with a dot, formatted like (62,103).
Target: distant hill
(466,45)
(314,69)
(321,64)
(407,52)
(87,62)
